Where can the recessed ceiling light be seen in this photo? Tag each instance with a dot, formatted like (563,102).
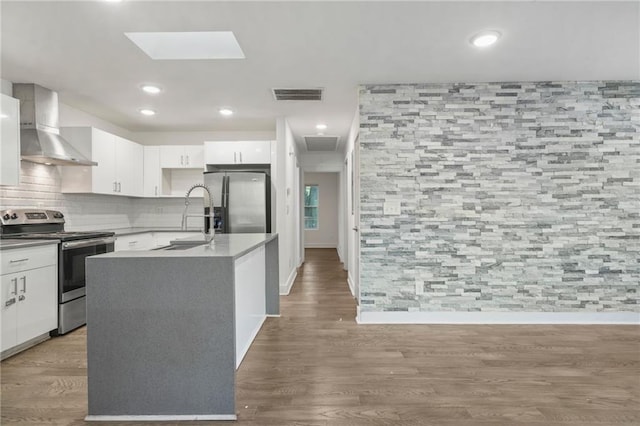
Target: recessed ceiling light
(47,164)
(321,126)
(485,38)
(148,112)
(225,111)
(188,45)
(3,115)
(154,90)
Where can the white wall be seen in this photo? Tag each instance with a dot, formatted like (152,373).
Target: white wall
(72,117)
(321,161)
(6,87)
(286,176)
(326,236)
(196,138)
(351,218)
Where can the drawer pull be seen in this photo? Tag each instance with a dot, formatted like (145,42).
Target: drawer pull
(24,284)
(15,286)
(19,260)
(10,302)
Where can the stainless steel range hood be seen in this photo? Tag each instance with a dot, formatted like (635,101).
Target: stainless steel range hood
(40,140)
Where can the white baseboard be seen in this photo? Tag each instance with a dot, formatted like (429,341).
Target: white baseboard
(630,318)
(329,246)
(286,288)
(185,417)
(339,254)
(352,287)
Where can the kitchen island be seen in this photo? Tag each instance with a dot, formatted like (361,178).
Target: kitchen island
(166,329)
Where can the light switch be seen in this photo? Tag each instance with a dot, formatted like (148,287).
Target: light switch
(391,207)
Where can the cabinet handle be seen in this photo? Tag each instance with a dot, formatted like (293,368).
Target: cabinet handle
(182,160)
(156,190)
(24,283)
(115,186)
(19,260)
(132,243)
(10,302)
(15,286)
(187,160)
(119,186)
(21,298)
(234,157)
(241,156)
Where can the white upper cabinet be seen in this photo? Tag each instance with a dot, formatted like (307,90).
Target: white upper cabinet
(237,152)
(129,170)
(181,157)
(10,141)
(152,172)
(119,170)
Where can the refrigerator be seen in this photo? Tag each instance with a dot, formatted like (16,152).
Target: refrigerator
(241,201)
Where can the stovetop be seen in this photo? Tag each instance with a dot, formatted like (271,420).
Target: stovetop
(36,224)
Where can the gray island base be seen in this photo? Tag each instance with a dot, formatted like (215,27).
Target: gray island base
(167,329)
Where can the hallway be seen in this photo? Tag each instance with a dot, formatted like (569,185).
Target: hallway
(315,366)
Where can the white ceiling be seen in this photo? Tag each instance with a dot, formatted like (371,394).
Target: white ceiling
(79,49)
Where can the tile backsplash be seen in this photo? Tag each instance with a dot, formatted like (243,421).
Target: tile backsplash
(40,188)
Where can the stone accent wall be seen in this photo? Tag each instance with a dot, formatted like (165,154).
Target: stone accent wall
(515,197)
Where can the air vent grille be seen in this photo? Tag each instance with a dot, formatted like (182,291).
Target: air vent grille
(321,143)
(297,94)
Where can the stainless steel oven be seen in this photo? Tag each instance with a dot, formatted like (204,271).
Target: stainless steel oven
(71,279)
(73,250)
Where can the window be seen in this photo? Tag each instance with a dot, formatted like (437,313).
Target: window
(311,207)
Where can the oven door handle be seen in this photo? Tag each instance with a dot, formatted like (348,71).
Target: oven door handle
(87,243)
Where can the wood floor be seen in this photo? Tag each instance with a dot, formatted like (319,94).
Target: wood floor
(315,366)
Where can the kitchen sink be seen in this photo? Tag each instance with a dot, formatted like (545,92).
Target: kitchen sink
(179,246)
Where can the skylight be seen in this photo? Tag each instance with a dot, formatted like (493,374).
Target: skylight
(188,45)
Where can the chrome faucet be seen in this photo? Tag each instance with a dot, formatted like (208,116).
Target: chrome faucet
(208,234)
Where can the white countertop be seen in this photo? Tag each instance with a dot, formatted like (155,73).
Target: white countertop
(224,245)
(14,244)
(141,230)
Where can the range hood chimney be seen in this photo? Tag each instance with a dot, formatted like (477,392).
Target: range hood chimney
(40,140)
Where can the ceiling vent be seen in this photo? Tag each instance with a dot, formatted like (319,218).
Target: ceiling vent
(297,94)
(321,143)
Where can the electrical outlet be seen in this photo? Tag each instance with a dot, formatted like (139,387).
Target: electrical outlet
(391,208)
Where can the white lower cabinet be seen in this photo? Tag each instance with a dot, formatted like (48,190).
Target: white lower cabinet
(29,299)
(142,241)
(148,240)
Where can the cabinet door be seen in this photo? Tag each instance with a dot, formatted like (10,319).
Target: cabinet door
(172,157)
(254,152)
(9,306)
(194,156)
(129,158)
(38,309)
(152,179)
(142,241)
(10,137)
(220,152)
(104,152)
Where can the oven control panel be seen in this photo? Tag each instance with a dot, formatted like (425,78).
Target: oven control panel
(30,216)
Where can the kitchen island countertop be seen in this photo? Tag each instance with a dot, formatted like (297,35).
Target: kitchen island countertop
(224,245)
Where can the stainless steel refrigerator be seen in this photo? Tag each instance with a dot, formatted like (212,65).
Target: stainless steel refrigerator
(241,201)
